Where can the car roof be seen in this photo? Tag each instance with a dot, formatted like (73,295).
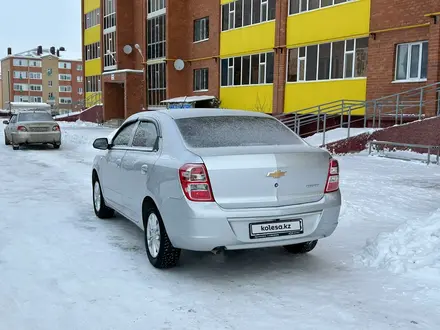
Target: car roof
(33,111)
(199,112)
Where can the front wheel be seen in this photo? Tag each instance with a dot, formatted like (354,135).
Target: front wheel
(160,251)
(301,248)
(102,211)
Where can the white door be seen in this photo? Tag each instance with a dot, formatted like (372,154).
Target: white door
(112,177)
(138,168)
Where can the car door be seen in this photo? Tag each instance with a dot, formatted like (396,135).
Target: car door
(112,177)
(12,127)
(138,168)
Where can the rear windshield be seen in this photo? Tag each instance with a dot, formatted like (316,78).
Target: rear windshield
(35,116)
(234,131)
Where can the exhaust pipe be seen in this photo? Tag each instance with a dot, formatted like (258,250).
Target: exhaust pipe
(218,250)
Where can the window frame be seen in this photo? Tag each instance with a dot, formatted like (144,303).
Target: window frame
(203,32)
(231,10)
(123,146)
(200,73)
(306,10)
(156,147)
(408,64)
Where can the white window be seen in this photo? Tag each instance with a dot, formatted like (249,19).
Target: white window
(92,51)
(110,51)
(156,37)
(50,83)
(65,77)
(155,5)
(21,98)
(65,100)
(21,87)
(65,65)
(92,18)
(157,90)
(20,74)
(109,14)
(79,67)
(412,61)
(200,80)
(80,90)
(37,88)
(37,99)
(66,89)
(93,84)
(241,13)
(79,79)
(248,70)
(299,6)
(201,29)
(334,60)
(20,62)
(36,64)
(35,75)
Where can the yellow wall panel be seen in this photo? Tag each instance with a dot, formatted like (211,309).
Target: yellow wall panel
(250,39)
(252,98)
(304,95)
(92,35)
(93,67)
(89,5)
(341,21)
(93,98)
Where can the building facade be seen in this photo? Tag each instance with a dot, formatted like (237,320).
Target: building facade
(42,75)
(272,56)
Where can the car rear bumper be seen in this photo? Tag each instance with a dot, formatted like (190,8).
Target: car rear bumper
(40,137)
(206,226)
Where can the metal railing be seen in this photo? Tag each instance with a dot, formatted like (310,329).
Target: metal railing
(380,146)
(398,108)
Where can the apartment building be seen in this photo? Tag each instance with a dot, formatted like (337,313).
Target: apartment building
(271,56)
(1,92)
(42,75)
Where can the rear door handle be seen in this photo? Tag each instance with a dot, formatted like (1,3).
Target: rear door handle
(118,162)
(144,169)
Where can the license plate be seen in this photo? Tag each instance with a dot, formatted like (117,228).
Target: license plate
(276,228)
(39,129)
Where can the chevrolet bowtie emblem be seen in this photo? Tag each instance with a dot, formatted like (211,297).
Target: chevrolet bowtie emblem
(276,175)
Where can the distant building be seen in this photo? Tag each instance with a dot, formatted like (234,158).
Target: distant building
(42,75)
(1,92)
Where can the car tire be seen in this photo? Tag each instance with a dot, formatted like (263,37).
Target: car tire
(7,142)
(15,147)
(102,211)
(160,251)
(301,248)
(56,146)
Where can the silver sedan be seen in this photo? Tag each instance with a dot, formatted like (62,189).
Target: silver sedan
(213,180)
(30,127)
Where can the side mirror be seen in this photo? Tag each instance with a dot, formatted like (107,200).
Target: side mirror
(101,144)
(6,122)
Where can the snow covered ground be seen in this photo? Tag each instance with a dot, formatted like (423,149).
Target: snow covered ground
(62,268)
(336,135)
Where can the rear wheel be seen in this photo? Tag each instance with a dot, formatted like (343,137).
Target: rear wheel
(56,146)
(301,248)
(160,251)
(7,142)
(102,211)
(15,147)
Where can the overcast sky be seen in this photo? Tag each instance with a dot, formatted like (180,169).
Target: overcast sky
(26,24)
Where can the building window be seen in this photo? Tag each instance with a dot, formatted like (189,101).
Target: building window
(50,96)
(156,5)
(201,29)
(92,18)
(21,87)
(80,90)
(92,51)
(156,37)
(50,83)
(64,65)
(200,79)
(65,89)
(248,70)
(79,79)
(37,88)
(299,6)
(241,13)
(20,98)
(20,62)
(65,100)
(35,75)
(20,74)
(110,51)
(79,67)
(412,61)
(157,88)
(35,64)
(109,14)
(335,60)
(65,77)
(36,99)
(93,84)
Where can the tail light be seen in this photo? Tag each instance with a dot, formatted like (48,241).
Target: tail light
(333,176)
(56,128)
(195,183)
(21,129)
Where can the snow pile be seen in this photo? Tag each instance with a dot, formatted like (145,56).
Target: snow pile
(412,247)
(80,134)
(77,123)
(336,134)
